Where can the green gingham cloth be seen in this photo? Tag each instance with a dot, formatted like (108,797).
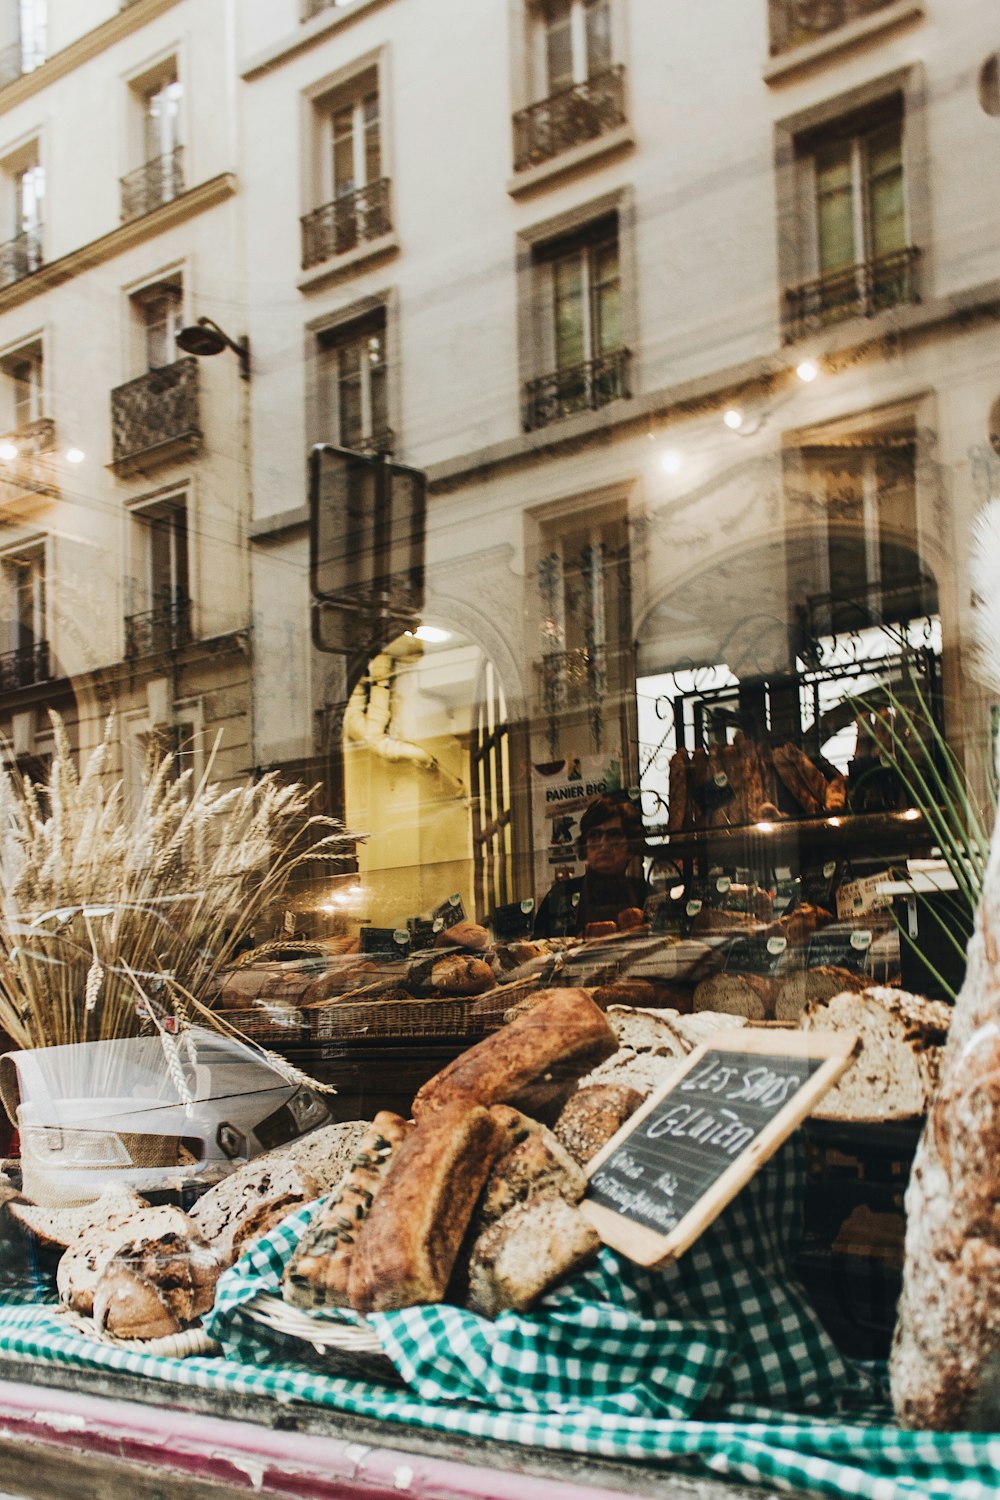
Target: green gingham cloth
(616,1363)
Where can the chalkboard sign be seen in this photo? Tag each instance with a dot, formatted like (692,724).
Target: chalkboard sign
(385,941)
(686,1153)
(757,955)
(840,948)
(513,921)
(449,913)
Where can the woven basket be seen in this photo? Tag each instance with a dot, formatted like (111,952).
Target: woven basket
(184,1345)
(360,1020)
(309,1338)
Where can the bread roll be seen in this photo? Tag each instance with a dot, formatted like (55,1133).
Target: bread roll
(531,1063)
(155,1284)
(805,781)
(408,1244)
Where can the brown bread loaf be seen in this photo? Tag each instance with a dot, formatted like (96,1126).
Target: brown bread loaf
(630,918)
(84,1262)
(677,792)
(318,1272)
(600,930)
(805,781)
(522,1255)
(464,935)
(531,1063)
(155,1284)
(799,925)
(750,995)
(836,794)
(813,986)
(714,919)
(895,1075)
(408,1244)
(462,975)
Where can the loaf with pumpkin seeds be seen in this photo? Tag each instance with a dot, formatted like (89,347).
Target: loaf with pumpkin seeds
(318,1272)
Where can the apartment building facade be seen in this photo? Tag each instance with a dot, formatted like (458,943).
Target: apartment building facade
(123,481)
(689,319)
(689,328)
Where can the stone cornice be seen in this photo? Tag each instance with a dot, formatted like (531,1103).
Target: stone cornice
(195,201)
(91,44)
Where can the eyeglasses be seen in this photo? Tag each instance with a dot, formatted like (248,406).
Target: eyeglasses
(611,836)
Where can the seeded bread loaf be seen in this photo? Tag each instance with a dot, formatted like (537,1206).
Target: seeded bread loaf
(462,975)
(591,1116)
(318,1273)
(407,1246)
(64,1226)
(524,1254)
(532,1063)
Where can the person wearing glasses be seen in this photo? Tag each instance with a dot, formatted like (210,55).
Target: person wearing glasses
(611,837)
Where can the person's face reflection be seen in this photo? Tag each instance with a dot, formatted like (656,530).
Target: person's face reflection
(606,849)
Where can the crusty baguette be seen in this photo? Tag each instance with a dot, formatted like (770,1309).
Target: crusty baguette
(408,1244)
(805,781)
(319,1271)
(531,1063)
(677,803)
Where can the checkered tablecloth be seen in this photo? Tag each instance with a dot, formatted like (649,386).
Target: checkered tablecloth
(718,1362)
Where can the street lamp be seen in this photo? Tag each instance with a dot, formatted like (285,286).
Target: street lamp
(206,338)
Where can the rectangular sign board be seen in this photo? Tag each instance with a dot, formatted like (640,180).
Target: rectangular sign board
(685,1154)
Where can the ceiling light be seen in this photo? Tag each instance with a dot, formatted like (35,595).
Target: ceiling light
(8,452)
(75,455)
(807,370)
(733,419)
(911,814)
(671,461)
(430,633)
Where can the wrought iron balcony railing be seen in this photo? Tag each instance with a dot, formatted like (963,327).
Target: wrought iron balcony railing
(584,387)
(567,119)
(25,667)
(154,183)
(381,441)
(796,22)
(858,291)
(155,418)
(31,439)
(165,628)
(20,256)
(347,222)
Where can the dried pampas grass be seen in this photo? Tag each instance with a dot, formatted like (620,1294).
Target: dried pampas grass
(984,572)
(113,920)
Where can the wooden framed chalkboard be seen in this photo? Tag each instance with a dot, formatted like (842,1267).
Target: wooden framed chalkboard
(685,1154)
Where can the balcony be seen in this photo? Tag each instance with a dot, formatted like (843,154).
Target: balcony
(25,667)
(164,629)
(154,420)
(355,219)
(795,23)
(570,118)
(858,291)
(21,256)
(585,387)
(156,182)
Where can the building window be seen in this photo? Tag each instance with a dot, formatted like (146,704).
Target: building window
(158,316)
(156,107)
(853,223)
(795,23)
(577,90)
(354,410)
(27,49)
(579,307)
(858,495)
(24,385)
(163,623)
(24,191)
(352,192)
(25,657)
